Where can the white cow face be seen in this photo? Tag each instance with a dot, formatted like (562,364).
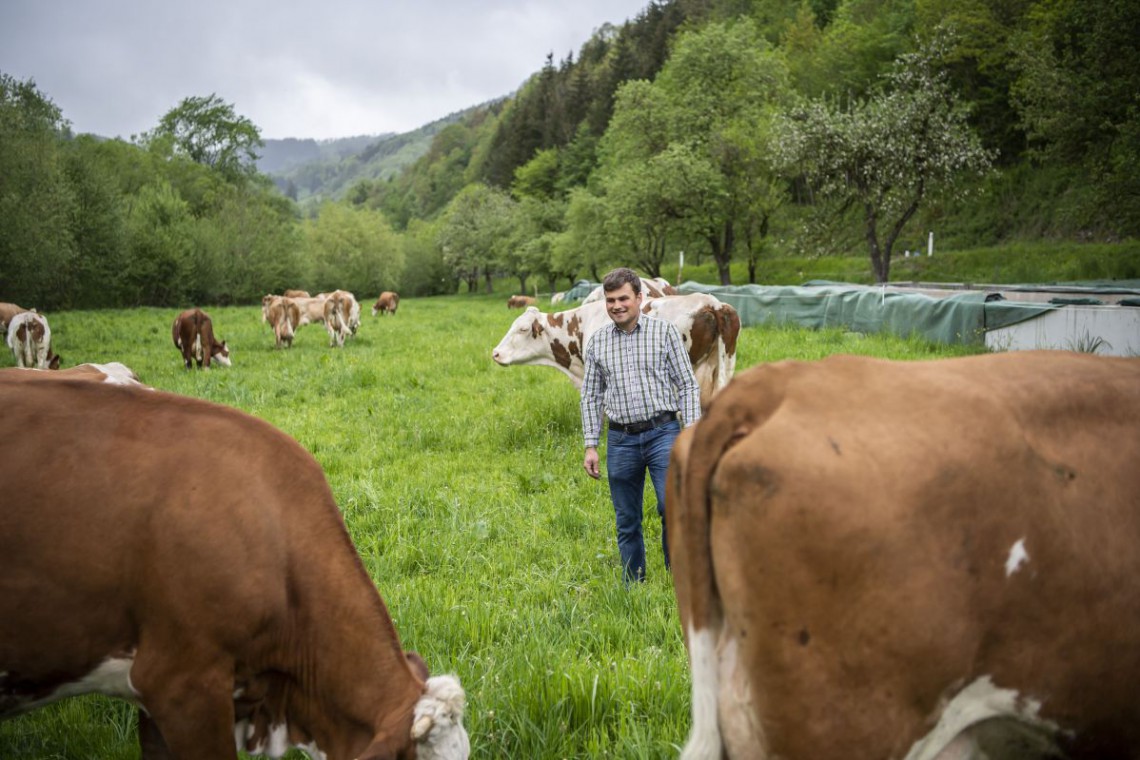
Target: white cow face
(437,726)
(525,342)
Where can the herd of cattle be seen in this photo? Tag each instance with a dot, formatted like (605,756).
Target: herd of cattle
(338,311)
(29,335)
(932,560)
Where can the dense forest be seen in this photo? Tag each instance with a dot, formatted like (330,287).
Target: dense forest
(737,131)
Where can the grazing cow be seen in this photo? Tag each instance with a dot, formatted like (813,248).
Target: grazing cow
(651,287)
(520,302)
(708,328)
(556,298)
(193,334)
(190,558)
(933,559)
(29,337)
(312,309)
(342,316)
(296,294)
(387,303)
(7,311)
(284,316)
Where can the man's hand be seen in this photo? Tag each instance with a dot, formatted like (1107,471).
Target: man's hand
(591,463)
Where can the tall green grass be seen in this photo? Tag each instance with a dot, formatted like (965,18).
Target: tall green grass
(461,484)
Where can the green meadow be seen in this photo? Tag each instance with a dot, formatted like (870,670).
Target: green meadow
(462,486)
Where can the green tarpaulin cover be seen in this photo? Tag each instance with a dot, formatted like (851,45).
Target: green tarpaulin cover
(959,318)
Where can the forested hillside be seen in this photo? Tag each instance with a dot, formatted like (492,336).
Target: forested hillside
(278,156)
(737,131)
(309,171)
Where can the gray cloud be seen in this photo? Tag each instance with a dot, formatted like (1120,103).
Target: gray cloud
(333,69)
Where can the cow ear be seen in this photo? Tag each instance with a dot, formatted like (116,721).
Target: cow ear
(419,667)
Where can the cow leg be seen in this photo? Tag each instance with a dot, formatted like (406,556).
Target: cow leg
(151,744)
(189,698)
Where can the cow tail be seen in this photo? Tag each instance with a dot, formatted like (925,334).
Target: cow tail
(731,416)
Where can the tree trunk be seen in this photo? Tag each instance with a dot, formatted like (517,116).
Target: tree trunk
(721,246)
(487,277)
(880,267)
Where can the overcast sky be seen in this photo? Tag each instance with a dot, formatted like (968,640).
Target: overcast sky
(331,68)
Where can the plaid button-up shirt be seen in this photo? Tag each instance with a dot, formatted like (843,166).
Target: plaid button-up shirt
(637,375)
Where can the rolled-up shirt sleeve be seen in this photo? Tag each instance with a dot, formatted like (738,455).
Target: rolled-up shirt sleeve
(680,371)
(593,391)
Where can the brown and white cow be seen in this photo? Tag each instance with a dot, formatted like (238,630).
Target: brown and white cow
(296,294)
(520,302)
(312,309)
(708,327)
(651,287)
(112,373)
(387,303)
(190,558)
(7,311)
(342,316)
(29,337)
(917,560)
(193,334)
(284,316)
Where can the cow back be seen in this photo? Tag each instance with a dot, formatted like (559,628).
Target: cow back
(870,538)
(170,527)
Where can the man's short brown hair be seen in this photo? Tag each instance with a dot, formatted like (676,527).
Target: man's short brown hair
(620,276)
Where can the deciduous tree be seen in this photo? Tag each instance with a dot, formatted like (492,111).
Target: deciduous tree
(209,131)
(884,155)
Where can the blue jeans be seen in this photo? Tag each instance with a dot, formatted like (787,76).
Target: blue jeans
(627,457)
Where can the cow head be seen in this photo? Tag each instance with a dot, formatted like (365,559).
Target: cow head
(437,725)
(267,302)
(550,340)
(221,354)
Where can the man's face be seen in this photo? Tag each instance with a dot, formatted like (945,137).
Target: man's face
(624,306)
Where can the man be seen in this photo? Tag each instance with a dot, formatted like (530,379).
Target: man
(638,373)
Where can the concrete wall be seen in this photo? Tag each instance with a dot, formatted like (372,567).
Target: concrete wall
(1113,330)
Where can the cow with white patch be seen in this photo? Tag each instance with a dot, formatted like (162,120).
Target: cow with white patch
(708,327)
(193,334)
(190,558)
(284,316)
(520,302)
(387,303)
(312,309)
(920,560)
(651,287)
(112,373)
(29,337)
(342,316)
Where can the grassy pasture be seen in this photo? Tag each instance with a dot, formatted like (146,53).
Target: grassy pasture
(461,484)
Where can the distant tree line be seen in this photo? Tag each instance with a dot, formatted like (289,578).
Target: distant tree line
(729,129)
